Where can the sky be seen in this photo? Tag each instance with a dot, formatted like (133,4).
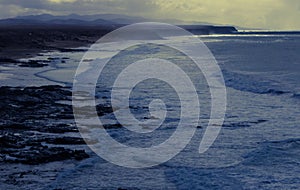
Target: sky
(254,14)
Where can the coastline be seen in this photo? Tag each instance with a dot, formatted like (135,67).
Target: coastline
(38,135)
(37,123)
(25,42)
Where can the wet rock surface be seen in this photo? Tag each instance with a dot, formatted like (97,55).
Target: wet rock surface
(23,42)
(26,115)
(37,128)
(29,63)
(31,118)
(38,135)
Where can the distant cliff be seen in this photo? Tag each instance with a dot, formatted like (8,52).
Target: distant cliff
(108,21)
(210,29)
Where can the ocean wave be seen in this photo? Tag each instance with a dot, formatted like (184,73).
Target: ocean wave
(197,178)
(275,153)
(243,124)
(251,83)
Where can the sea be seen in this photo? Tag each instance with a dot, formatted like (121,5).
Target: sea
(258,146)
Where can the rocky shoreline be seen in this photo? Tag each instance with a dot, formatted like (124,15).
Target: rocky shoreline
(36,129)
(31,117)
(25,42)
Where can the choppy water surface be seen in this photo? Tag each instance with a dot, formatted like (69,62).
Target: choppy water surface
(259,144)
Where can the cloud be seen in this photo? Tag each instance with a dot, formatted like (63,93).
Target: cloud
(275,14)
(61,1)
(127,7)
(268,14)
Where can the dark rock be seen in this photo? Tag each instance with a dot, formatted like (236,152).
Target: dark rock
(24,111)
(8,60)
(29,115)
(103,109)
(65,140)
(44,154)
(29,150)
(33,63)
(113,126)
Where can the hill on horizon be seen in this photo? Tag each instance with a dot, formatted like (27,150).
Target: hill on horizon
(109,21)
(105,18)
